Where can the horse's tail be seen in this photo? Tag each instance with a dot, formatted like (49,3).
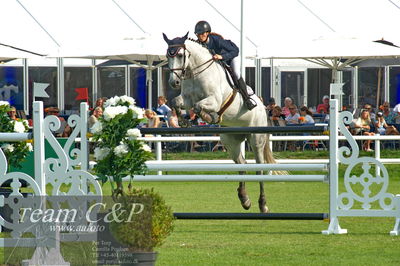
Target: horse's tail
(269,157)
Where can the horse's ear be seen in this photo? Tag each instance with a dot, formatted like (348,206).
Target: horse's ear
(185,37)
(166,38)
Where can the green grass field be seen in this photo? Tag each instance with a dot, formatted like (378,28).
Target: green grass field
(221,242)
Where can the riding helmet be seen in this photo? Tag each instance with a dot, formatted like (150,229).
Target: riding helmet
(201,27)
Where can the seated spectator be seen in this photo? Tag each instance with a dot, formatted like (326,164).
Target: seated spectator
(270,106)
(285,109)
(153,121)
(305,116)
(372,115)
(97,112)
(173,119)
(278,119)
(192,118)
(293,117)
(65,130)
(362,126)
(12,113)
(390,116)
(163,108)
(323,108)
(382,127)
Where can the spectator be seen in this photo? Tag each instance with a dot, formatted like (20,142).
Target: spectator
(323,108)
(153,120)
(293,117)
(389,116)
(363,126)
(305,116)
(97,112)
(163,108)
(99,103)
(173,119)
(285,110)
(64,130)
(372,115)
(192,118)
(278,119)
(270,106)
(12,113)
(382,127)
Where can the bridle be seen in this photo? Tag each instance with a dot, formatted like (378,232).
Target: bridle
(171,53)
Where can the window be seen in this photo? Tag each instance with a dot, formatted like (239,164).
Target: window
(394,88)
(370,83)
(11,86)
(43,75)
(111,81)
(76,77)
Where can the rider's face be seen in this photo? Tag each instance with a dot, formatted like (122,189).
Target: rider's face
(203,37)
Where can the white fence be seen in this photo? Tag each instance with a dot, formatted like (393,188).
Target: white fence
(63,171)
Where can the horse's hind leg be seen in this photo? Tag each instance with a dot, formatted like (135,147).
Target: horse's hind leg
(232,144)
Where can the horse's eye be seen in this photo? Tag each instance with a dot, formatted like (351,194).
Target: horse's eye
(180,55)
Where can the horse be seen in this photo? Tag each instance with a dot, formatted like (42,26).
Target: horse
(205,88)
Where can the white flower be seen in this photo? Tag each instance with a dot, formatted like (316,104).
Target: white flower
(4,103)
(101,153)
(127,99)
(7,147)
(121,150)
(146,147)
(19,127)
(30,147)
(137,112)
(133,133)
(97,127)
(112,101)
(112,111)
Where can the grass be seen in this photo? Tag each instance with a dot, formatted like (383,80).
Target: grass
(215,242)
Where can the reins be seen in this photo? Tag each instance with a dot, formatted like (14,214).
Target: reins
(183,69)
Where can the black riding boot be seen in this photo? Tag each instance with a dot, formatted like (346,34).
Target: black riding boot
(250,103)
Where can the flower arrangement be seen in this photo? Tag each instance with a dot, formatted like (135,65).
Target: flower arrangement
(15,152)
(117,151)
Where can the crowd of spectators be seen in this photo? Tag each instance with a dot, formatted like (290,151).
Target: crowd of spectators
(367,121)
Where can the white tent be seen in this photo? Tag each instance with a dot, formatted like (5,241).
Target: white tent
(48,25)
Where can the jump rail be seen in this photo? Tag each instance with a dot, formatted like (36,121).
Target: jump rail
(250,216)
(233,130)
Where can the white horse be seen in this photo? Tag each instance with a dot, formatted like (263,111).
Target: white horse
(204,87)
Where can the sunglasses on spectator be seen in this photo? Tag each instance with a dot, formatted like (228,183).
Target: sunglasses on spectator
(292,108)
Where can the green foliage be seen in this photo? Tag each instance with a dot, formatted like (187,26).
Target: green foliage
(147,229)
(15,152)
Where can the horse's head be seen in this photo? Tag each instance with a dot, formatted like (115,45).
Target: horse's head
(178,59)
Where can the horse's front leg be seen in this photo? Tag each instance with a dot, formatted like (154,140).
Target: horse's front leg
(207,110)
(262,202)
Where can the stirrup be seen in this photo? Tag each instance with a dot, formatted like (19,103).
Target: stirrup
(250,104)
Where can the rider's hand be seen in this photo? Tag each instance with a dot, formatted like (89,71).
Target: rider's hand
(217,57)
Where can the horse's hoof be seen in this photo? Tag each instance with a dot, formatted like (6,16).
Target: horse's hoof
(262,205)
(246,204)
(244,199)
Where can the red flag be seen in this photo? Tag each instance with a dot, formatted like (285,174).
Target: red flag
(82,94)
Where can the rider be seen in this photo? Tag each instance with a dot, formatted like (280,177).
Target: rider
(226,51)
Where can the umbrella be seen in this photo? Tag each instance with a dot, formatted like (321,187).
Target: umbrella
(8,53)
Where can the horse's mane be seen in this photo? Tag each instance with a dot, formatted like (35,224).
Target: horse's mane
(199,43)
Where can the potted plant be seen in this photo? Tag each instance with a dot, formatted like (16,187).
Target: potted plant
(119,153)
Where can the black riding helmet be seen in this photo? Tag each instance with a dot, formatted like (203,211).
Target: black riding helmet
(201,27)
